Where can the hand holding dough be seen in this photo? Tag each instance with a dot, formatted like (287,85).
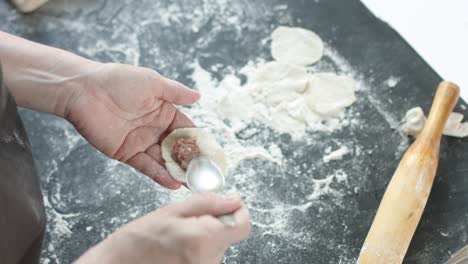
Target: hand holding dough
(206,146)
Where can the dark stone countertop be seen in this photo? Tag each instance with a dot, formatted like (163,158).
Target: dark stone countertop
(88,196)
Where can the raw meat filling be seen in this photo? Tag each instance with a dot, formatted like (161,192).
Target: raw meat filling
(184,150)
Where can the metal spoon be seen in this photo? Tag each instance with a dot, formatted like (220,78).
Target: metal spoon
(203,175)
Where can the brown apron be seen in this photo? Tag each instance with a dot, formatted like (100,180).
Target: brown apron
(22,213)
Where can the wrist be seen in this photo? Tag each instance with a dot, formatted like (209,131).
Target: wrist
(69,86)
(50,89)
(102,253)
(39,77)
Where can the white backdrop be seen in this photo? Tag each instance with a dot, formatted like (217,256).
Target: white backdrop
(437,30)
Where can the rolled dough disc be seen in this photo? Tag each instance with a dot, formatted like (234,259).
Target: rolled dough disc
(205,141)
(296,46)
(329,94)
(277,83)
(275,71)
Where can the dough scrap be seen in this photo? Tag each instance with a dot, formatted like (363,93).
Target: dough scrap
(336,154)
(205,141)
(454,126)
(414,123)
(296,46)
(329,94)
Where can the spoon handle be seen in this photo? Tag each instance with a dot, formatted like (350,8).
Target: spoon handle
(228,219)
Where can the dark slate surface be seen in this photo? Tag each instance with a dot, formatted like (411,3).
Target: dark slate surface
(88,196)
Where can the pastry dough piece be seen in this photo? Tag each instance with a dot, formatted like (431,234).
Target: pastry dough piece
(278,83)
(329,94)
(275,71)
(454,126)
(206,143)
(414,121)
(296,46)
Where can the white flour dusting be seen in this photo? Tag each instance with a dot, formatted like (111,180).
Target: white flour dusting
(279,103)
(392,81)
(336,154)
(322,186)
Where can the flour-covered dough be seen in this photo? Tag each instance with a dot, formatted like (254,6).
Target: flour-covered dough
(414,122)
(296,46)
(278,83)
(329,94)
(275,71)
(205,141)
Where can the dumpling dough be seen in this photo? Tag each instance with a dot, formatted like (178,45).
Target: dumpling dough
(454,126)
(329,94)
(276,83)
(415,120)
(275,71)
(205,141)
(296,46)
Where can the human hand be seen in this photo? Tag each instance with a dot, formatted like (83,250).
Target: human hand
(122,110)
(181,233)
(125,112)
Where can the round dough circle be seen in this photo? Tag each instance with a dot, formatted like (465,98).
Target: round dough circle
(205,141)
(275,71)
(296,46)
(328,94)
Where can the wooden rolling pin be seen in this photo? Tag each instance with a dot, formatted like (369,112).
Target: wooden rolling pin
(403,202)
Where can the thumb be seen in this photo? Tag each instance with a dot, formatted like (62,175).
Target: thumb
(208,204)
(174,92)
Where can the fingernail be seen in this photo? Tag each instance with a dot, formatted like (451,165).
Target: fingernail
(228,220)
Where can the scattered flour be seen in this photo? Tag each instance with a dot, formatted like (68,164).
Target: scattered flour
(323,186)
(336,154)
(281,108)
(283,96)
(62,227)
(392,81)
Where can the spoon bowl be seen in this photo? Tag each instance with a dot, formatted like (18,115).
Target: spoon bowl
(203,175)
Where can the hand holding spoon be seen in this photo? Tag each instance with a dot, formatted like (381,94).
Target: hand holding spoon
(203,175)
